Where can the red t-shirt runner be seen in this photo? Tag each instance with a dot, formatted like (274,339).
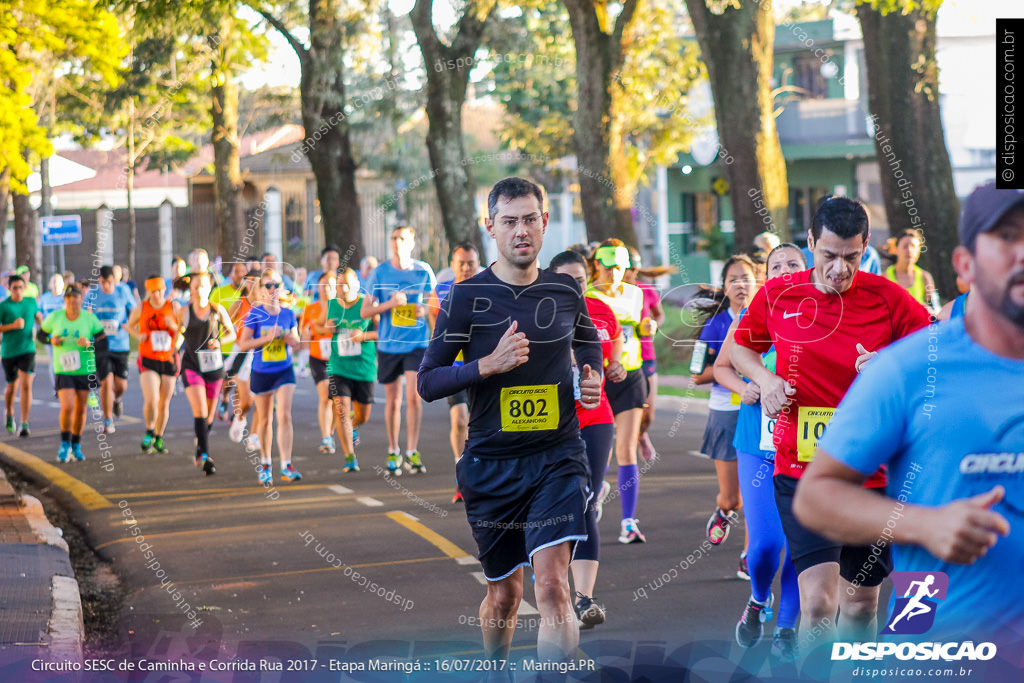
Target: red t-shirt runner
(815,335)
(608,328)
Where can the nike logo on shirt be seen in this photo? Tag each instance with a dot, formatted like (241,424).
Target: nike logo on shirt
(787,315)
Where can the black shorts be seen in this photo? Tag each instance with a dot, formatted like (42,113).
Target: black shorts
(168,368)
(861,565)
(26,362)
(517,506)
(390,366)
(358,390)
(461,396)
(317,368)
(628,394)
(112,362)
(76,382)
(650,367)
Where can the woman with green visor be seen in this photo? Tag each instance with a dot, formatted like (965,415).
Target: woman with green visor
(628,397)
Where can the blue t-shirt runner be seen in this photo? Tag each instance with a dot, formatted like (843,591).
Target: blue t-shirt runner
(401,331)
(947,417)
(113,311)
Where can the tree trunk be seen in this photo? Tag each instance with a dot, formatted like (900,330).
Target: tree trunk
(227,184)
(130,185)
(447,79)
(328,145)
(322,88)
(737,47)
(606,190)
(916,176)
(25,228)
(5,196)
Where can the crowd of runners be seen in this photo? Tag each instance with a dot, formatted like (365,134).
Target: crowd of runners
(549,373)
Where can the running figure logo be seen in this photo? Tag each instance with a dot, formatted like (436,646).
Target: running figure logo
(914,612)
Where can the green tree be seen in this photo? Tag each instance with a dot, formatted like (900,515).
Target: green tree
(37,38)
(903,94)
(737,43)
(622,113)
(154,113)
(232,46)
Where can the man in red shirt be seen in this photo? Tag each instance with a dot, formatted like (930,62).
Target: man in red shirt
(825,324)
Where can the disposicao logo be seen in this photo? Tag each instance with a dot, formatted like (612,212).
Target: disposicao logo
(914,612)
(918,597)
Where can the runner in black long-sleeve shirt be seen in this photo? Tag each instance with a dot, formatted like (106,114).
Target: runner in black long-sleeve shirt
(523,473)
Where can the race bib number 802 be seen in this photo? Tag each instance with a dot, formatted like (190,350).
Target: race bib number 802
(529,408)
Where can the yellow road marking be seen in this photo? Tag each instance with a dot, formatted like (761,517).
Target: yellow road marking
(88,497)
(443,544)
(329,568)
(192,492)
(191,532)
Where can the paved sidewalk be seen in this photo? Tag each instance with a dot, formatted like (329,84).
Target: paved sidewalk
(40,606)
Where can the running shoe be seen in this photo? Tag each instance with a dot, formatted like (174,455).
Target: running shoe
(749,628)
(742,571)
(147,444)
(222,411)
(326,445)
(94,401)
(266,475)
(718,527)
(24,433)
(108,427)
(206,463)
(413,463)
(351,464)
(76,451)
(289,473)
(10,424)
(646,448)
(588,612)
(457,498)
(784,645)
(395,464)
(629,532)
(355,438)
(252,442)
(602,496)
(158,446)
(118,408)
(65,450)
(237,429)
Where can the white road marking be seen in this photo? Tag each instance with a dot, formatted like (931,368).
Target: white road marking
(370,502)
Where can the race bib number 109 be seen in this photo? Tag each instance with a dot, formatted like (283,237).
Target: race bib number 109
(529,408)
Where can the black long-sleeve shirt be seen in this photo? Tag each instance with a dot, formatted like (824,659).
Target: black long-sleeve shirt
(531,407)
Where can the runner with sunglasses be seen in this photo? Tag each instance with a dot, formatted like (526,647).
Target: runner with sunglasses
(270,331)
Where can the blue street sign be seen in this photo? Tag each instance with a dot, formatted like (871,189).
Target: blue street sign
(61,229)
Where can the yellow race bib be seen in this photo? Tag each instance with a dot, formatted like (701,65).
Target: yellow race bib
(530,408)
(810,426)
(275,352)
(404,315)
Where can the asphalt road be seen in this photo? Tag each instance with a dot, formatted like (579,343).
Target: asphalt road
(361,567)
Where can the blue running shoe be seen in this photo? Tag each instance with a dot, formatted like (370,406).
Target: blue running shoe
(64,452)
(76,450)
(266,475)
(289,473)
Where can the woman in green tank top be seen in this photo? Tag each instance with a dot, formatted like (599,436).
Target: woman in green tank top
(906,273)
